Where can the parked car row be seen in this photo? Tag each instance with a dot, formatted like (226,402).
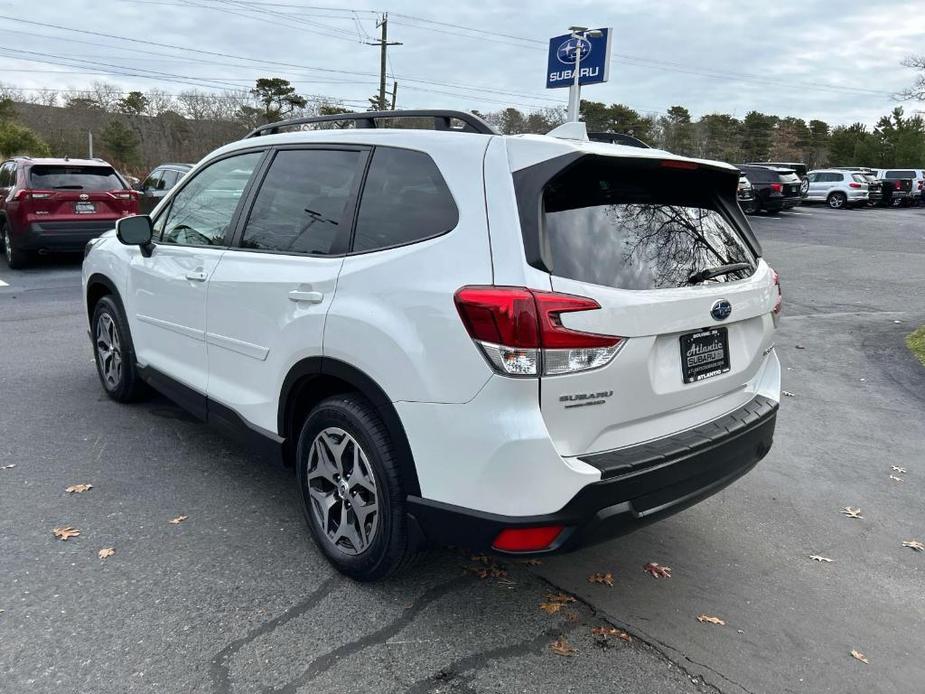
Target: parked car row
(770,186)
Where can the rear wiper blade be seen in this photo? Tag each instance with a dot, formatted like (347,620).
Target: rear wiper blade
(711,272)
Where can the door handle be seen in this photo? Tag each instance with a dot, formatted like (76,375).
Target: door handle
(299,296)
(196,276)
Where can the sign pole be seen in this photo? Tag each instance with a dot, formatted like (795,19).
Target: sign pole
(574,90)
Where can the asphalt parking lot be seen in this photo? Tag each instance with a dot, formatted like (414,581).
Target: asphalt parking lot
(236,599)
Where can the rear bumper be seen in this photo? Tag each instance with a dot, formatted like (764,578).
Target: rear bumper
(639,485)
(781,203)
(64,237)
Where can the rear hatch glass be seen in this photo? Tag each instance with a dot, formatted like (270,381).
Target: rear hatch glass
(637,229)
(63,177)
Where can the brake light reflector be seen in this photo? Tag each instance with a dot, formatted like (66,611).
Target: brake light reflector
(777,187)
(26,194)
(679,164)
(520,331)
(123,194)
(855,185)
(897,185)
(527,539)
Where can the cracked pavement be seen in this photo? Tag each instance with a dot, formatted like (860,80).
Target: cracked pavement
(236,599)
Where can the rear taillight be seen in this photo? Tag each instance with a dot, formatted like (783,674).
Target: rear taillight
(855,185)
(26,194)
(527,539)
(897,185)
(520,331)
(779,303)
(777,187)
(124,194)
(679,164)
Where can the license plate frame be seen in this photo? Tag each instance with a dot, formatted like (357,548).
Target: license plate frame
(84,207)
(704,354)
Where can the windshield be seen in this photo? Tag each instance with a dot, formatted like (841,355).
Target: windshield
(63,177)
(633,229)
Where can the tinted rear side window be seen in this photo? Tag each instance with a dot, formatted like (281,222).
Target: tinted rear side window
(302,204)
(62,177)
(900,174)
(760,175)
(637,229)
(405,199)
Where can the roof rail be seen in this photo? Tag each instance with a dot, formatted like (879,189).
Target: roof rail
(443,120)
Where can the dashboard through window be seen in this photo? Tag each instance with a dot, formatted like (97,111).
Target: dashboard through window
(202,211)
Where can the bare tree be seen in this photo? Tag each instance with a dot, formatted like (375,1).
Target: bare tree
(917,90)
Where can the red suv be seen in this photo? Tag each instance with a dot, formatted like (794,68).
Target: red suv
(57,205)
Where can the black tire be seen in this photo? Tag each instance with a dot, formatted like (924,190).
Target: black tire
(772,212)
(15,257)
(127,386)
(837,200)
(389,549)
(751,207)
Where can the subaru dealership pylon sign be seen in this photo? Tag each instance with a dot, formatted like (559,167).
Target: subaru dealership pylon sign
(592,54)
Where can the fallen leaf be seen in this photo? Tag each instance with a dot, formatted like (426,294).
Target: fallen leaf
(532,562)
(657,570)
(914,544)
(572,616)
(483,572)
(555,602)
(78,488)
(561,647)
(106,552)
(705,618)
(605,579)
(895,478)
(852,512)
(65,532)
(900,470)
(857,655)
(9,467)
(818,557)
(787,393)
(607,632)
(178,520)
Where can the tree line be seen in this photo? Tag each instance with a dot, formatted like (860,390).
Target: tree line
(138,130)
(895,140)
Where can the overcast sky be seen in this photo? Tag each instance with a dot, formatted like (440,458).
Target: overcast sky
(834,60)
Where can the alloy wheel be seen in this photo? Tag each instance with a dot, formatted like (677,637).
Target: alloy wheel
(342,491)
(109,350)
(836,202)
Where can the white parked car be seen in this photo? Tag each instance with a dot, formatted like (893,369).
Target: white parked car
(838,189)
(519,344)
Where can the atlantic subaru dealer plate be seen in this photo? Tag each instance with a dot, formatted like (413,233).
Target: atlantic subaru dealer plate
(704,354)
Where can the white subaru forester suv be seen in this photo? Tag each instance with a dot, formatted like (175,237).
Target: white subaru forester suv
(520,344)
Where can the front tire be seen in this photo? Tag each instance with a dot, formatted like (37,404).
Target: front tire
(15,258)
(114,352)
(352,493)
(837,200)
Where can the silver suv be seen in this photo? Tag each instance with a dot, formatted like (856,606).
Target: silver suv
(838,189)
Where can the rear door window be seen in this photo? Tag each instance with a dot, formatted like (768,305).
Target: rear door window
(859,178)
(637,229)
(405,199)
(303,203)
(169,180)
(64,177)
(900,174)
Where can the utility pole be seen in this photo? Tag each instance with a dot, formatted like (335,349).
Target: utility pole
(394,92)
(383,25)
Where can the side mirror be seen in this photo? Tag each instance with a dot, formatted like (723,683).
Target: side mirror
(136,231)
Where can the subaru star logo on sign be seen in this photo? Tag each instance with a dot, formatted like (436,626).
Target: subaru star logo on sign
(592,54)
(721,310)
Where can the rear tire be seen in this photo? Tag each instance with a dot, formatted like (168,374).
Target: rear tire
(15,258)
(351,488)
(114,352)
(837,200)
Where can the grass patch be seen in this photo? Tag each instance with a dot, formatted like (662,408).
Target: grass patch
(915,341)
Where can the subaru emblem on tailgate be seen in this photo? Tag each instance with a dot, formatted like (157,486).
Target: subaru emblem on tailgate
(721,310)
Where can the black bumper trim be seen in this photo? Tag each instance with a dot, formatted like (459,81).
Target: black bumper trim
(622,502)
(646,455)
